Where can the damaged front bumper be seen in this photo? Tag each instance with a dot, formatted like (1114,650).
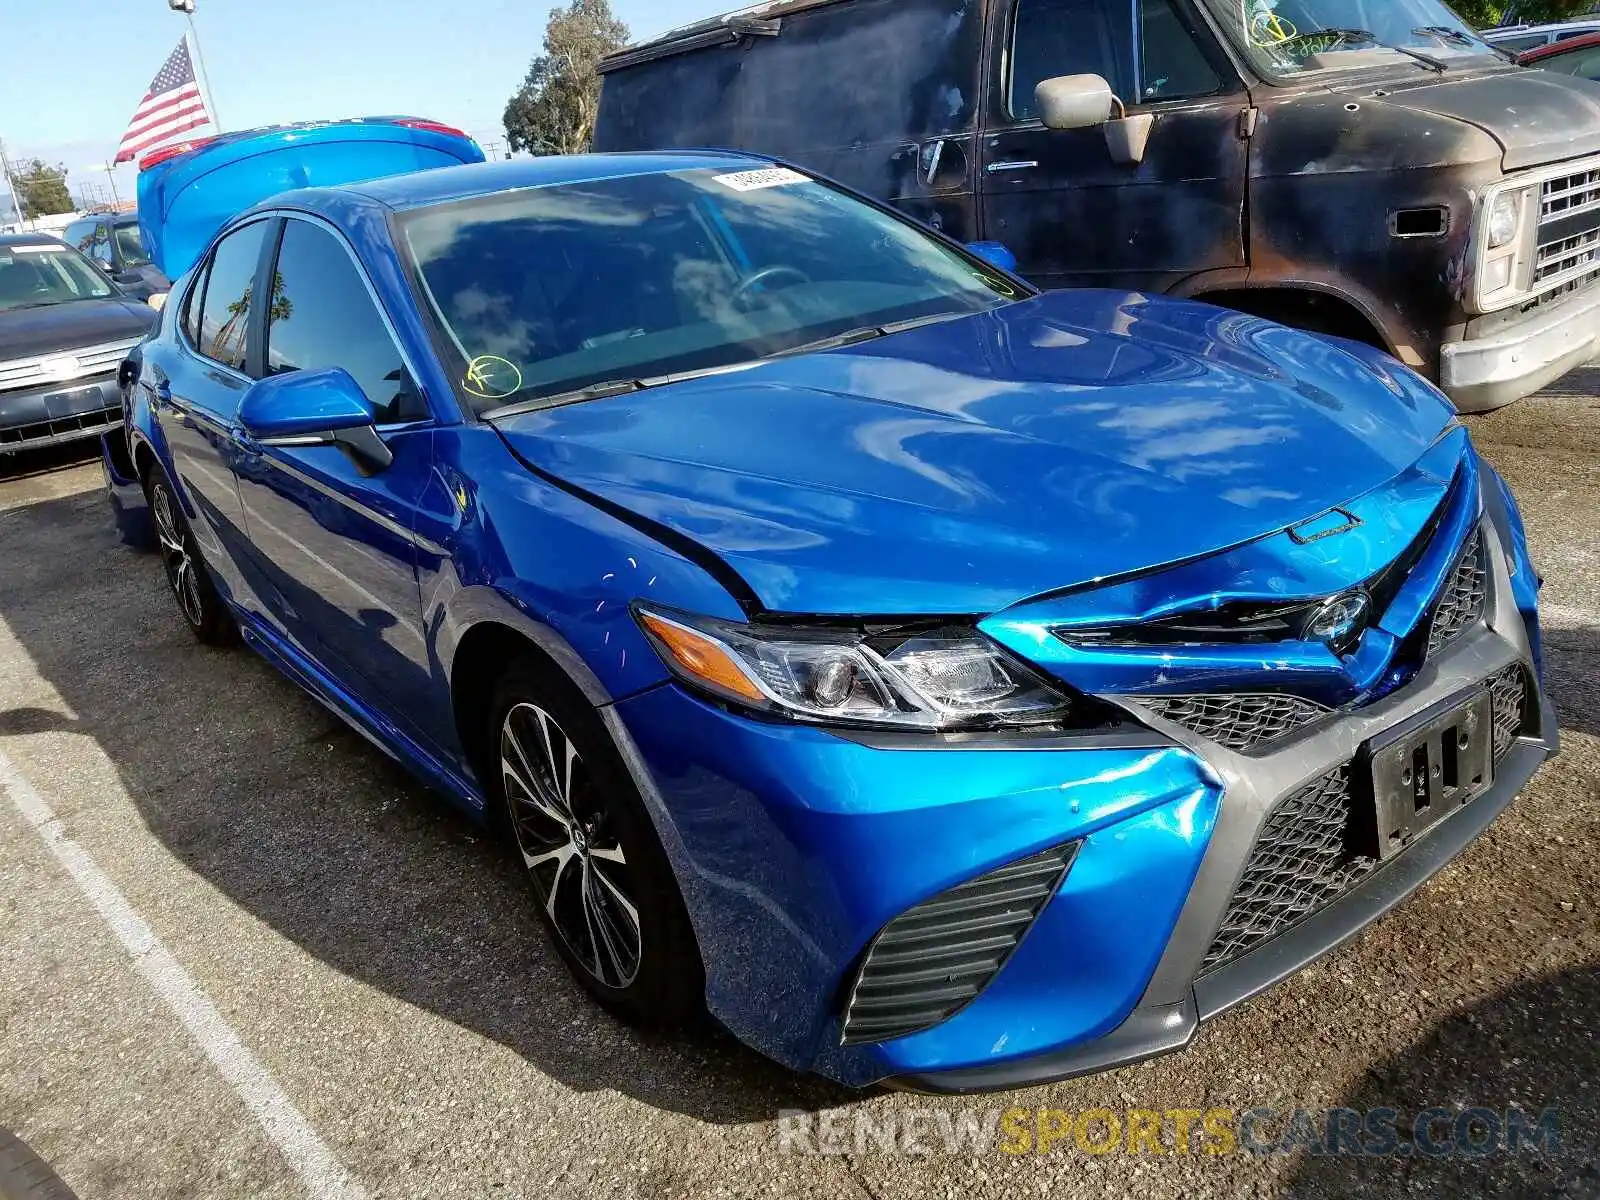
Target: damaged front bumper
(1505,357)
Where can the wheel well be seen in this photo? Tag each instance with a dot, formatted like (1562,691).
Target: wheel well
(1317,312)
(480,660)
(144,459)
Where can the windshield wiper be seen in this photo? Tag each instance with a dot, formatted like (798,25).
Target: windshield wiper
(1445,34)
(865,333)
(607,389)
(1365,37)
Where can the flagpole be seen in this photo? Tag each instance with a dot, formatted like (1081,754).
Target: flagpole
(200,61)
(11,186)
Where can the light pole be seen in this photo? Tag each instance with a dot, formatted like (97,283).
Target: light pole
(186,7)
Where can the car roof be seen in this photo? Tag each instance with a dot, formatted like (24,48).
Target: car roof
(487,179)
(1502,31)
(29,239)
(1585,42)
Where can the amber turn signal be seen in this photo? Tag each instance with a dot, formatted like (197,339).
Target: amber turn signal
(702,658)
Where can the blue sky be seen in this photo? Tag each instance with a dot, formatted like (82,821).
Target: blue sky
(75,69)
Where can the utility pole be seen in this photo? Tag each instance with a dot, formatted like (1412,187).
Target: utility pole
(186,7)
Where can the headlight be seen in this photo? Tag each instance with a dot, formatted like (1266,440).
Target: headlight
(937,679)
(1503,220)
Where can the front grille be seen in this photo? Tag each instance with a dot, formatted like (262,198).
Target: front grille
(1567,255)
(1301,862)
(1242,721)
(932,960)
(60,427)
(91,360)
(1508,690)
(1460,605)
(1570,195)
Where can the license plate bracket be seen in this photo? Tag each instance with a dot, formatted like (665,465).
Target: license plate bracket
(1424,771)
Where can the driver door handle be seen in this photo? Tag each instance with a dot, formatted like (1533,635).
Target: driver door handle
(1018,165)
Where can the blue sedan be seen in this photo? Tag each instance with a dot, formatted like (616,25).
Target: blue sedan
(933,679)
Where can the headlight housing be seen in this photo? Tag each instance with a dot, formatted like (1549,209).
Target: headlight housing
(938,679)
(1506,240)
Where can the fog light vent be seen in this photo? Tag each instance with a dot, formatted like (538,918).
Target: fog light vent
(933,960)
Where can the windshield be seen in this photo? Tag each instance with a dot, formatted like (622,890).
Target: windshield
(545,291)
(34,275)
(130,246)
(1289,37)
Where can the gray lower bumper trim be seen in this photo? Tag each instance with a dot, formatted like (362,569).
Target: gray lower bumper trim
(1154,1031)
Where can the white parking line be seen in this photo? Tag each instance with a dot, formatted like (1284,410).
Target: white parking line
(283,1123)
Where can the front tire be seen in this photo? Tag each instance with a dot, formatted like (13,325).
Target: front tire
(198,602)
(604,887)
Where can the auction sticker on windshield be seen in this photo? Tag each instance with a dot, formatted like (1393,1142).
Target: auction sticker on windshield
(40,249)
(770,177)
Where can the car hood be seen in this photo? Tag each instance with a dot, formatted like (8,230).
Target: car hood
(1537,117)
(963,467)
(30,332)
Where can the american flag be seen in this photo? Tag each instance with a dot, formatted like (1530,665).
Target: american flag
(173,105)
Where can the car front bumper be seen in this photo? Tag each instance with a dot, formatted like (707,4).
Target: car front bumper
(1506,357)
(795,847)
(36,417)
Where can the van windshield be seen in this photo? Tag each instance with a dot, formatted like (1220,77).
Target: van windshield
(543,292)
(1290,37)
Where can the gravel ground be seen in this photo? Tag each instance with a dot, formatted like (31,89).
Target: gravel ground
(380,959)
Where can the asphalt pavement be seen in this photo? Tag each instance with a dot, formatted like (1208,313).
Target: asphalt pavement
(242,955)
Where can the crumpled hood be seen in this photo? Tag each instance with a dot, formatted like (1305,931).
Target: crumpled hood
(1537,117)
(963,467)
(76,325)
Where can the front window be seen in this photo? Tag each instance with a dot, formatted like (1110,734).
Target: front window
(130,246)
(32,276)
(541,292)
(1291,37)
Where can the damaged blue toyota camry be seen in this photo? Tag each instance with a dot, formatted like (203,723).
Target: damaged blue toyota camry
(933,680)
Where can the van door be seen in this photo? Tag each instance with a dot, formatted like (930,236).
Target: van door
(1075,217)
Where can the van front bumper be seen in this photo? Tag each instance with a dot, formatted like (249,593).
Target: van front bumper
(1503,359)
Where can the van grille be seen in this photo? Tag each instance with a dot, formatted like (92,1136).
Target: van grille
(933,960)
(1570,195)
(1568,257)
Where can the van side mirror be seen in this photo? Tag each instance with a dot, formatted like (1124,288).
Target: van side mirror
(1074,101)
(1086,101)
(315,408)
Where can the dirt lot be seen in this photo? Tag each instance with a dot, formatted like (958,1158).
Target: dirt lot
(243,956)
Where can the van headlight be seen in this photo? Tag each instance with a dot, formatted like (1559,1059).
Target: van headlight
(1504,216)
(935,678)
(1506,244)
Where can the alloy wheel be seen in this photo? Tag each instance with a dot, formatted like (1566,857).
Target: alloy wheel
(563,830)
(182,570)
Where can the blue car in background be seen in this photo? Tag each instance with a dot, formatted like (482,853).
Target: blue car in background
(933,679)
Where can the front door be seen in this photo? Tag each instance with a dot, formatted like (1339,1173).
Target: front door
(1073,215)
(334,543)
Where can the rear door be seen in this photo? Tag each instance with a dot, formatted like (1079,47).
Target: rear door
(334,544)
(195,396)
(1075,217)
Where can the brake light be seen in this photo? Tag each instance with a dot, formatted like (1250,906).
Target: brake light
(432,127)
(172,151)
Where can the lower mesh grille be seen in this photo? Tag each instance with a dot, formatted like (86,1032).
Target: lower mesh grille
(1508,690)
(934,959)
(1300,863)
(1237,721)
(1461,604)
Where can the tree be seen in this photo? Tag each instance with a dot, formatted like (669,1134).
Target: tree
(1484,13)
(555,109)
(41,189)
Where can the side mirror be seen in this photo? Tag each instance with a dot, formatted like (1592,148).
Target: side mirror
(996,254)
(1086,101)
(315,408)
(1074,101)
